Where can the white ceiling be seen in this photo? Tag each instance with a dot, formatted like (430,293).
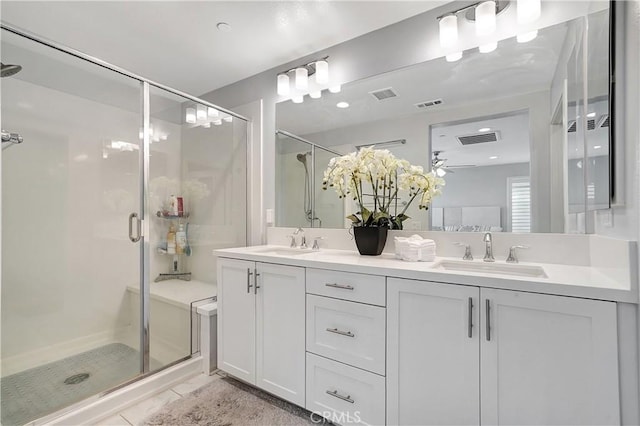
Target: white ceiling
(176,43)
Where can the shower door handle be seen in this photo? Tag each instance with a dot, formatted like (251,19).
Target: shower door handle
(132,217)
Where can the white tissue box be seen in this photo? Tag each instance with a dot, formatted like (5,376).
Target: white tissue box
(415,249)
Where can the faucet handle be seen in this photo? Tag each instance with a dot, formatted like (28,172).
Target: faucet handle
(292,243)
(512,253)
(467,250)
(303,242)
(316,243)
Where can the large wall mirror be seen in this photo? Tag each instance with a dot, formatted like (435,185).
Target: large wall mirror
(521,134)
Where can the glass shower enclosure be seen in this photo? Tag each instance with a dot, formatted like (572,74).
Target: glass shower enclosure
(115,190)
(300,200)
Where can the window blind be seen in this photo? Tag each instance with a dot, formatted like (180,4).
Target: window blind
(520,204)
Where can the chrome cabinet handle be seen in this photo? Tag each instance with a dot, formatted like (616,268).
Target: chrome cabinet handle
(488,308)
(470,323)
(249,274)
(340,332)
(255,280)
(336,285)
(342,397)
(134,216)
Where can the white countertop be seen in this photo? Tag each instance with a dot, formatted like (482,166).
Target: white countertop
(565,280)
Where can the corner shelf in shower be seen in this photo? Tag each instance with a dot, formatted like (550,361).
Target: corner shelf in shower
(164,215)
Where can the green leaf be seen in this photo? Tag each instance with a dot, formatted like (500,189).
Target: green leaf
(366,214)
(354,218)
(402,217)
(380,215)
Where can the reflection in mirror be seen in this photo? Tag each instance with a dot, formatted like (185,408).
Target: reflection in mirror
(552,152)
(300,201)
(485,163)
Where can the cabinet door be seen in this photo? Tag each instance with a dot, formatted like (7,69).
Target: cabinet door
(237,319)
(280,331)
(548,360)
(432,353)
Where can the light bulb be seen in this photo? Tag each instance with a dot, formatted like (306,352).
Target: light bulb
(448,31)
(212,112)
(283,85)
(191,116)
(452,57)
(335,89)
(322,72)
(298,99)
(316,94)
(523,38)
(302,78)
(528,11)
(489,47)
(201,112)
(486,18)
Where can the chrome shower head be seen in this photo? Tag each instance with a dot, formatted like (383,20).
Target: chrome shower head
(9,70)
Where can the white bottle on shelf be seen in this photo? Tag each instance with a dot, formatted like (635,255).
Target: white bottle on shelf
(181,239)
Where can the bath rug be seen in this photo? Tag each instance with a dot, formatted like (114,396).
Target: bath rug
(228,402)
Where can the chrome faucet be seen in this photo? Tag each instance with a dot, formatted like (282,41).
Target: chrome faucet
(488,255)
(303,239)
(512,253)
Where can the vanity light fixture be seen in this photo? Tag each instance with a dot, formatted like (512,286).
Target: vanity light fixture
(302,78)
(212,112)
(315,94)
(526,37)
(448,30)
(322,72)
(302,82)
(190,116)
(489,47)
(342,104)
(528,11)
(486,18)
(201,112)
(298,99)
(452,57)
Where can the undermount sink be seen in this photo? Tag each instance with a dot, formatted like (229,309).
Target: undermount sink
(491,268)
(283,251)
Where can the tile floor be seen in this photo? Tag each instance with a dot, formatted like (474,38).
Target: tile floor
(135,414)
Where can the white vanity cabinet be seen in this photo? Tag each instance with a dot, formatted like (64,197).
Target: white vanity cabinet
(433,363)
(548,360)
(261,326)
(467,355)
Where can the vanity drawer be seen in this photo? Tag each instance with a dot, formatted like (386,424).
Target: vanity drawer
(348,332)
(347,285)
(344,394)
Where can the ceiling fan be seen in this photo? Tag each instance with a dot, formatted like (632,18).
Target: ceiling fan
(439,165)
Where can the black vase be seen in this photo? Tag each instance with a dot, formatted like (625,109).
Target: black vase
(370,240)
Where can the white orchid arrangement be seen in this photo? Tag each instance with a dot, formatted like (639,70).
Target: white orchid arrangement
(386,175)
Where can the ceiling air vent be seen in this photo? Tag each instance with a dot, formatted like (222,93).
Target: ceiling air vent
(591,124)
(428,104)
(478,138)
(383,94)
(572,126)
(604,121)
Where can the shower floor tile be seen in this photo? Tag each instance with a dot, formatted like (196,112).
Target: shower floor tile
(34,393)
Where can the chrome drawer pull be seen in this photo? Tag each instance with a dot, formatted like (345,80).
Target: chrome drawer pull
(344,398)
(336,285)
(340,332)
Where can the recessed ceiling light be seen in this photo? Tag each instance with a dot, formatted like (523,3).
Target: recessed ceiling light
(342,105)
(493,157)
(597,147)
(484,129)
(591,114)
(224,27)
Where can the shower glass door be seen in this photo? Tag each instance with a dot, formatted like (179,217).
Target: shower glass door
(70,327)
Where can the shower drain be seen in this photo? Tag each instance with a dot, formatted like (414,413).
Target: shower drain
(76,378)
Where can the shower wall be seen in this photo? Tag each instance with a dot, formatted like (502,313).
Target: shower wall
(66,256)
